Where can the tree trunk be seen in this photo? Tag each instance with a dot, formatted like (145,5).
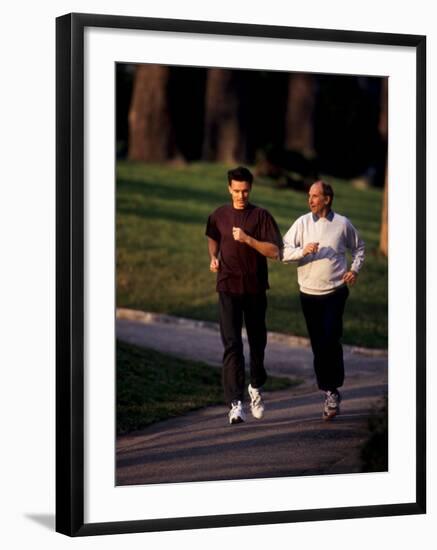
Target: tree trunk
(151,136)
(299,130)
(383,130)
(383,110)
(224,138)
(383,236)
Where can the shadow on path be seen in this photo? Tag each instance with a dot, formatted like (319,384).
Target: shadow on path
(291,440)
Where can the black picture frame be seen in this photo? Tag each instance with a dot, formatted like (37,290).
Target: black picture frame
(70,273)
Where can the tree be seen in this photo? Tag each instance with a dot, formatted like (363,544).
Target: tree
(224,138)
(299,131)
(151,135)
(383,235)
(383,130)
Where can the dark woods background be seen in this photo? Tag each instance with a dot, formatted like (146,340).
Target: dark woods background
(292,126)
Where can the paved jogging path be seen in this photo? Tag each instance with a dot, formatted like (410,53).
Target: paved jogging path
(292,439)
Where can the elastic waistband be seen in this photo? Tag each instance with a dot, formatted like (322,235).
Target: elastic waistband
(325,294)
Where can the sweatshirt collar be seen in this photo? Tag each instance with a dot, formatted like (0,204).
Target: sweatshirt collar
(329,217)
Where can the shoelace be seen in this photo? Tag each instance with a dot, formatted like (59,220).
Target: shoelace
(256,400)
(332,399)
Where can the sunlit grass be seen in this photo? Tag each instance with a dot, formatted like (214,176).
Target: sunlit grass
(153,386)
(162,260)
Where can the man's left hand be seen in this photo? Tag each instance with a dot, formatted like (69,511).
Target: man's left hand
(239,235)
(350,277)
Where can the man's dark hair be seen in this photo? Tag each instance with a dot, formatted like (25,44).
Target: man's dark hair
(240,174)
(328,191)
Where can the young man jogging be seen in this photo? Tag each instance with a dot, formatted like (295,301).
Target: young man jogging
(240,238)
(318,242)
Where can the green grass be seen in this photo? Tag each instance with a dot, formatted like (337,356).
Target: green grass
(152,386)
(162,260)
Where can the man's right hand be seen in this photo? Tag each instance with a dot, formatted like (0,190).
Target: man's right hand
(311,248)
(214,265)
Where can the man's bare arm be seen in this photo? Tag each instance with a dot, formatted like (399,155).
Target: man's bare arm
(213,250)
(267,249)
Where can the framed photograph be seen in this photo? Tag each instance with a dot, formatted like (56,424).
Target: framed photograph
(160,122)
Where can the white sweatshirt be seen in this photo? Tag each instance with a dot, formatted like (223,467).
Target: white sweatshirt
(322,272)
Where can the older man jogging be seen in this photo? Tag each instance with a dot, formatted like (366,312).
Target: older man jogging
(318,241)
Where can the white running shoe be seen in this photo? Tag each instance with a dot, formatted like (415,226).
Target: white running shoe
(256,402)
(332,405)
(236,414)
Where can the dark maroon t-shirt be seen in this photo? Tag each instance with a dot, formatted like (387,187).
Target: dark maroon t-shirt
(242,268)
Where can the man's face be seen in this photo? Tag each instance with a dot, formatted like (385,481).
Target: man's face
(240,191)
(317,201)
